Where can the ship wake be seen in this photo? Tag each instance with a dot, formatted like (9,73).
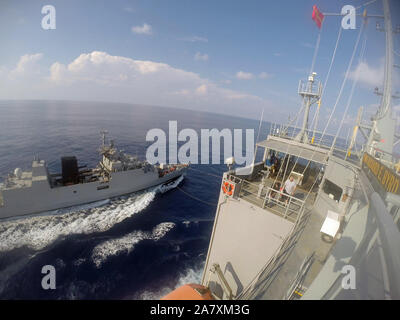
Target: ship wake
(126,243)
(38,232)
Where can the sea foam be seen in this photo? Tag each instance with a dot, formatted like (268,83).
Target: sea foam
(38,232)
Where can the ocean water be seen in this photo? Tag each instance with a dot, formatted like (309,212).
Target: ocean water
(139,246)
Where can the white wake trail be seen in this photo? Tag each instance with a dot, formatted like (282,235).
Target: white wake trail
(40,231)
(126,243)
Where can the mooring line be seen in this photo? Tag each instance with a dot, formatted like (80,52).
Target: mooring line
(195,198)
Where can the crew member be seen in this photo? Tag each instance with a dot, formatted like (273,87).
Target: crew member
(289,188)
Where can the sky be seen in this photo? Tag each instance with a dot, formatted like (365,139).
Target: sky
(228,56)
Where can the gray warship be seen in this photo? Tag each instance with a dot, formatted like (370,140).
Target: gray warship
(337,236)
(39,191)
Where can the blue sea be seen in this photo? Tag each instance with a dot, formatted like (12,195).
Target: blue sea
(139,246)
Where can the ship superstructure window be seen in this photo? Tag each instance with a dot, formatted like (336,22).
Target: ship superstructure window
(332,190)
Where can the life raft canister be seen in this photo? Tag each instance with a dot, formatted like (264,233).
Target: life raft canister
(228,188)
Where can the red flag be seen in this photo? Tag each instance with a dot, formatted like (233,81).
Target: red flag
(317,16)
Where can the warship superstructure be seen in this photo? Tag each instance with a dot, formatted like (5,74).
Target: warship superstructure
(337,236)
(37,191)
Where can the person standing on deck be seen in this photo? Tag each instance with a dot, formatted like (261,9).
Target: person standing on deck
(289,188)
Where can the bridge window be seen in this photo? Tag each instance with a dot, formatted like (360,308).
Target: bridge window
(332,190)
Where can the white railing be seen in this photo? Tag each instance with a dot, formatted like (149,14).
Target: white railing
(288,209)
(318,139)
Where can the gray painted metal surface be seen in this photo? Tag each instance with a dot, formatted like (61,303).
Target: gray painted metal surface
(368,240)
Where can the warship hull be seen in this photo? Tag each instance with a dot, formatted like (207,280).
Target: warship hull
(41,197)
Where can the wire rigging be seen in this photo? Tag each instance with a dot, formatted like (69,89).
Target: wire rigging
(322,93)
(343,82)
(354,82)
(327,77)
(316,49)
(362,52)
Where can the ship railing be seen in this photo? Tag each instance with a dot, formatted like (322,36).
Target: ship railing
(305,88)
(316,137)
(275,201)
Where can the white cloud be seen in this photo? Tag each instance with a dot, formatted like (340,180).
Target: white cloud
(27,63)
(244,75)
(202,90)
(99,76)
(145,29)
(200,57)
(371,76)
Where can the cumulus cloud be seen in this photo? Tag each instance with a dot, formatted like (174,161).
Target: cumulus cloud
(27,64)
(244,75)
(144,29)
(200,57)
(100,76)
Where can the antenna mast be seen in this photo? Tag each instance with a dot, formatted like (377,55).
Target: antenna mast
(310,95)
